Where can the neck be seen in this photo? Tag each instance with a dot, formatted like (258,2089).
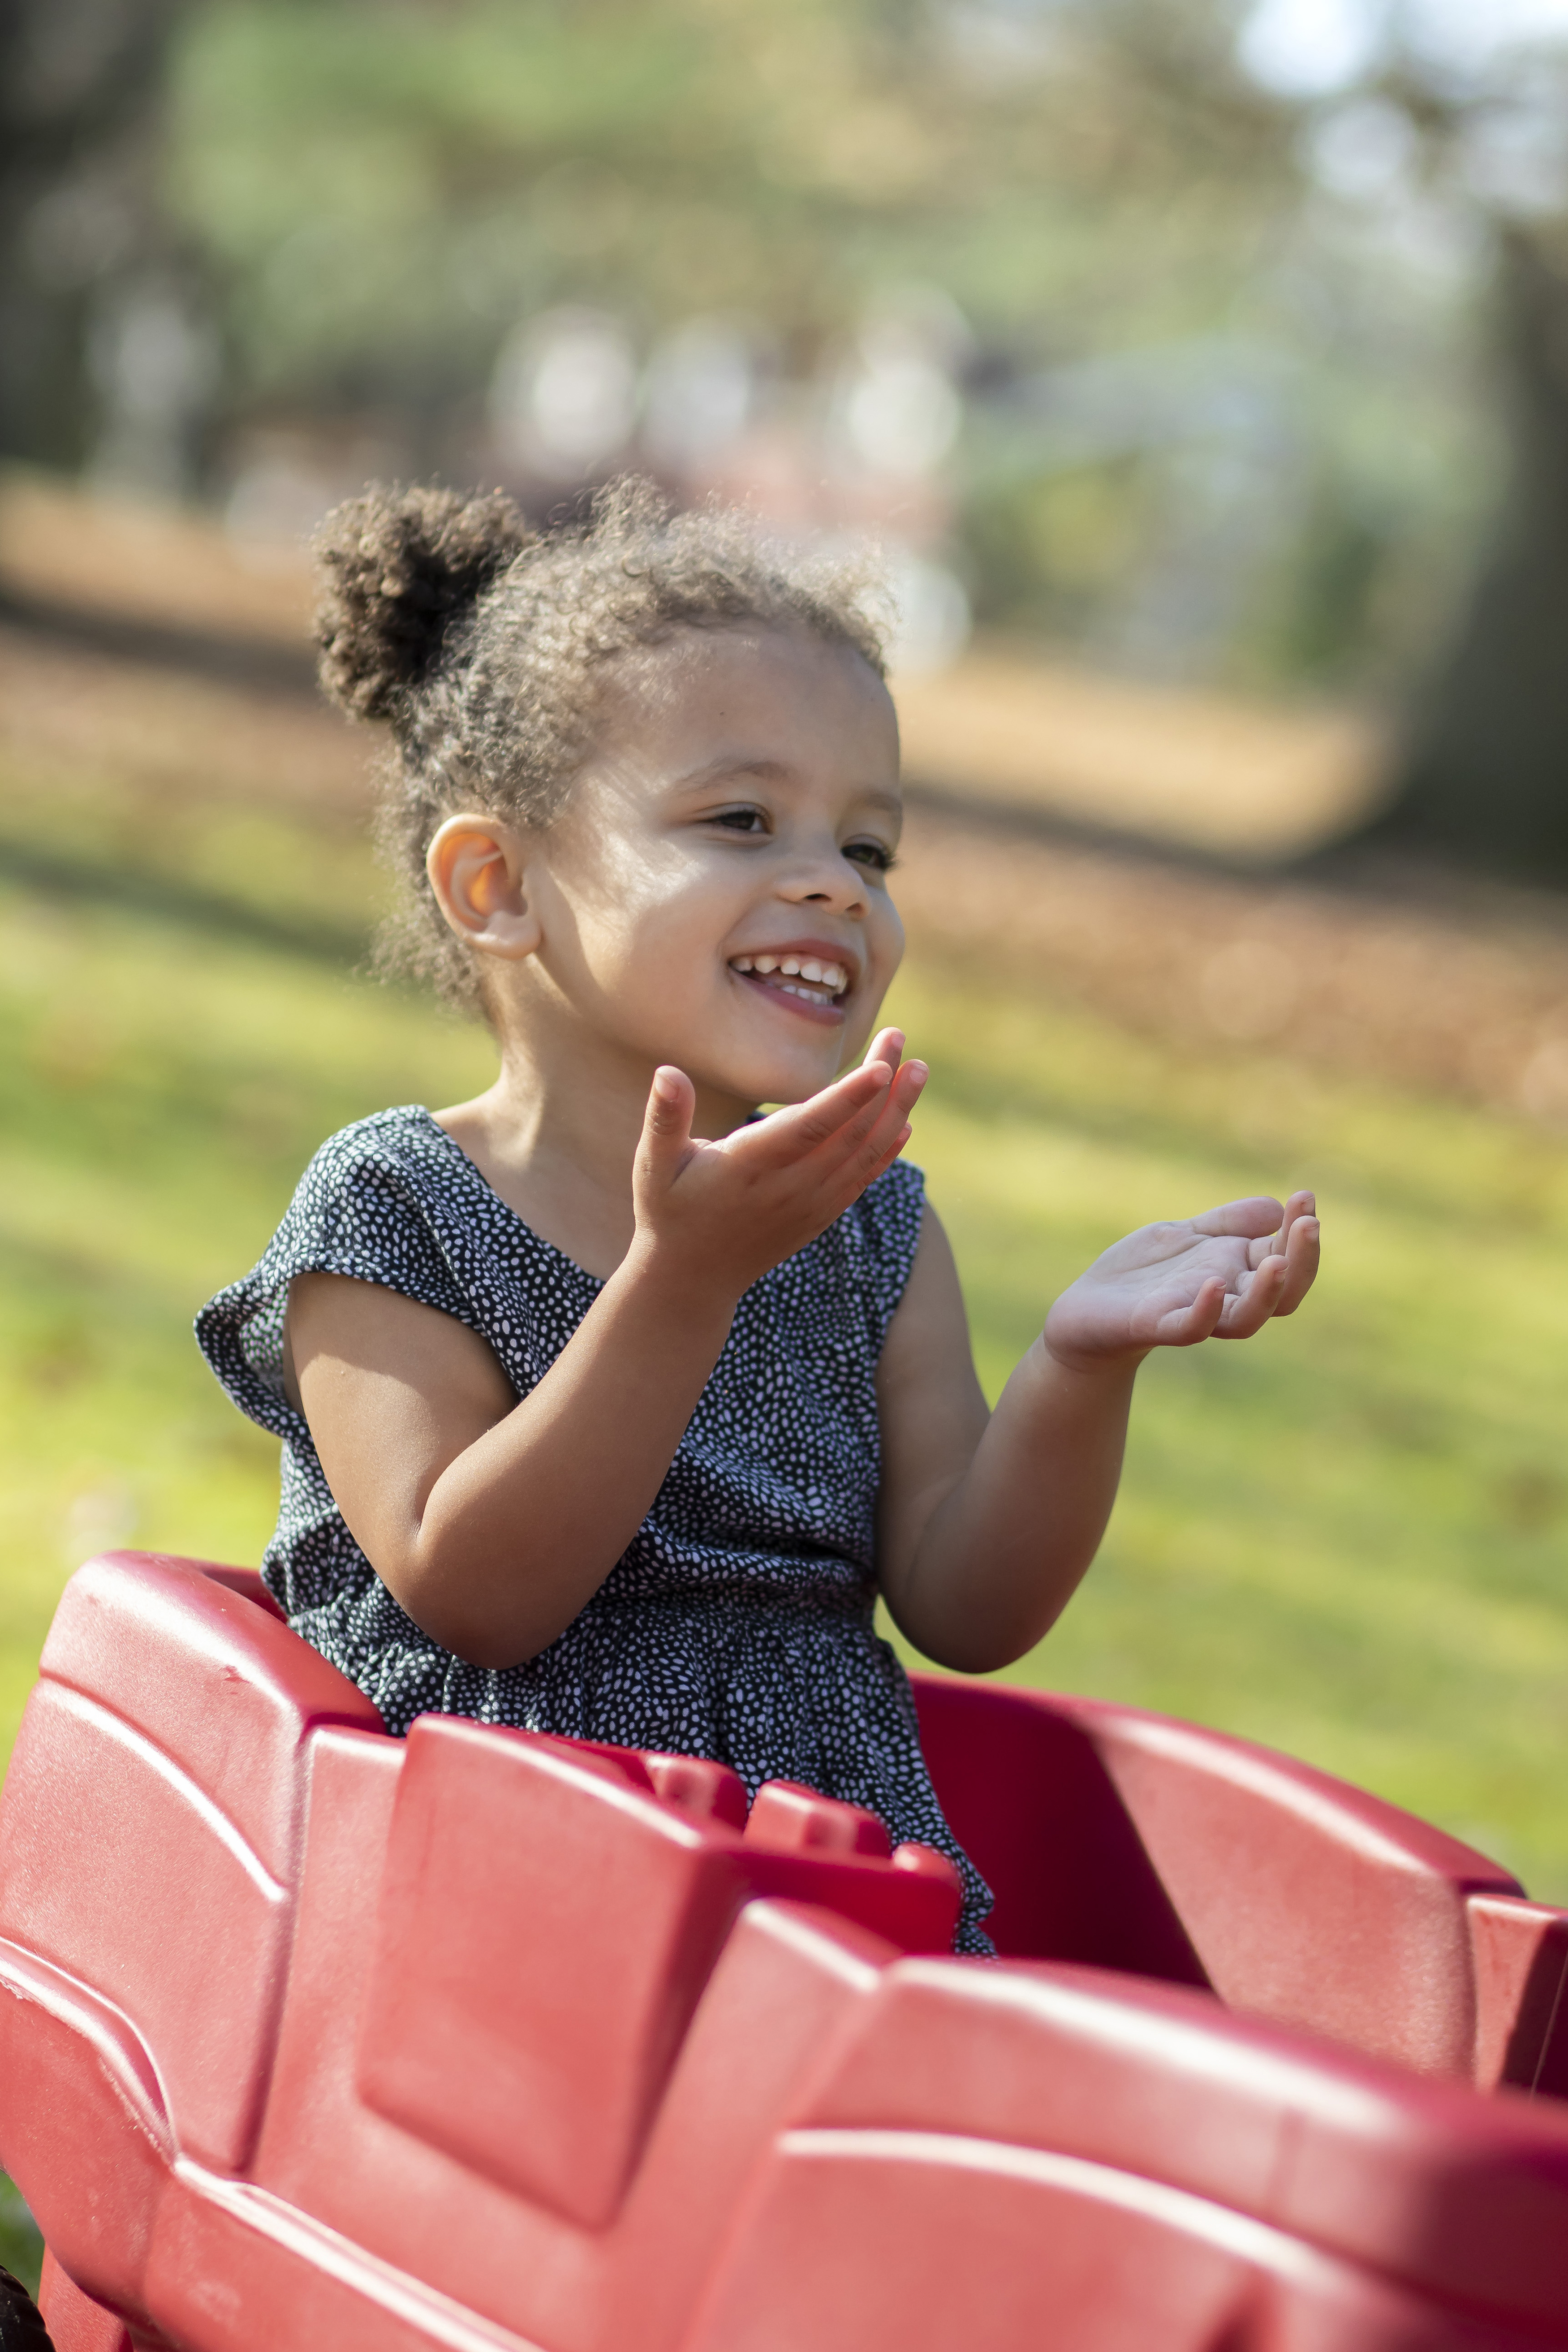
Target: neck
(556,1135)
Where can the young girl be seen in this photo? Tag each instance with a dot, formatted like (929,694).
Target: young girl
(607,1405)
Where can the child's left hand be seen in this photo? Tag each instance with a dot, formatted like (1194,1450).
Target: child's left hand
(1218,1277)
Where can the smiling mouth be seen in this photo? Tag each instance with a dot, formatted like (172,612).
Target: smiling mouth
(814,979)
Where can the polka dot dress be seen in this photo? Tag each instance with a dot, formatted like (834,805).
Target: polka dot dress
(738,1624)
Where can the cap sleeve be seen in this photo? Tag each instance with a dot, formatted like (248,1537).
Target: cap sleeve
(363,1208)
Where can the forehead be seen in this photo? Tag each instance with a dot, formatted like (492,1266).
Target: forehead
(764,693)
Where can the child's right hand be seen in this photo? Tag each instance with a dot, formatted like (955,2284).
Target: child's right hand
(719,1214)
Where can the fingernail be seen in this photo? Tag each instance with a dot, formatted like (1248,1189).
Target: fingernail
(918,1071)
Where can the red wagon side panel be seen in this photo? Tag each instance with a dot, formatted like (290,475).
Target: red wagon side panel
(856,2244)
(1131,1842)
(481,2042)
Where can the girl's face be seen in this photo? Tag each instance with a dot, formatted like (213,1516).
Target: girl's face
(715,894)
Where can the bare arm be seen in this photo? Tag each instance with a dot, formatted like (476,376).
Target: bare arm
(987,1525)
(491,1521)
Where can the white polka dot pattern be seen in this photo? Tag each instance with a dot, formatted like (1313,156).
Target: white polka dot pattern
(738,1624)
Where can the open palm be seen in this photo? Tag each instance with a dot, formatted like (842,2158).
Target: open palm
(1218,1277)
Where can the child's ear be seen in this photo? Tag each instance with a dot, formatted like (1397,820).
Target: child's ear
(478,871)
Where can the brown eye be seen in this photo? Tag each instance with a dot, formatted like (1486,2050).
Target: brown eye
(871,853)
(741,820)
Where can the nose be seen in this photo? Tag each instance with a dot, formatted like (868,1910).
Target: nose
(821,876)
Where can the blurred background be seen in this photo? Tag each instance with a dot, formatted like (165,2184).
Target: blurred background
(1201,367)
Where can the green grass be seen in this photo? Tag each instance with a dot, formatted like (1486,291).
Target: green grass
(21,2245)
(1345,1537)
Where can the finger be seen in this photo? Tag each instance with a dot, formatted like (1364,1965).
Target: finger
(908,1084)
(870,1142)
(1186,1326)
(886,1046)
(791,1134)
(1246,1311)
(1252,1218)
(869,1146)
(882,1119)
(888,1129)
(666,1122)
(1300,1205)
(889,1153)
(1300,1264)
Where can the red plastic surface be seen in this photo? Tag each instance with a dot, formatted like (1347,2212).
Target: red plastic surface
(171,1721)
(77,2323)
(1522,1995)
(788,1819)
(484,2040)
(1464,2198)
(85,2132)
(560,1996)
(1147,2170)
(925,2243)
(1131,1842)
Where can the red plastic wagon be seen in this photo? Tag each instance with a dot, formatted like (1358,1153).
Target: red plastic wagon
(314,2037)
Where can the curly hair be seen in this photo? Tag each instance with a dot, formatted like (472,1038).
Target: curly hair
(486,648)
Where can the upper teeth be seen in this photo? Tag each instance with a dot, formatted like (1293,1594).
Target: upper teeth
(831,976)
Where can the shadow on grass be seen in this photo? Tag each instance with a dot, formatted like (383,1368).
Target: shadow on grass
(189,905)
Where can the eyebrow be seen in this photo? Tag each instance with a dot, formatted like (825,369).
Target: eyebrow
(727,765)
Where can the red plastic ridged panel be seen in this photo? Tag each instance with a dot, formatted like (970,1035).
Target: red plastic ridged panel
(228,1692)
(82,2126)
(1521,1994)
(767,2044)
(560,1987)
(782,2001)
(544,1938)
(828,1843)
(168,1733)
(790,1819)
(77,2323)
(888,2241)
(1464,2199)
(1131,1842)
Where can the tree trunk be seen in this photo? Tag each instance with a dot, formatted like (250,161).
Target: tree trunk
(1486,772)
(80,81)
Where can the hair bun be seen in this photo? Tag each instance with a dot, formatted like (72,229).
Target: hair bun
(396,568)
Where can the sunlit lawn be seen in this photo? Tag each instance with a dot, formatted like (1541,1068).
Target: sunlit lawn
(1346,1538)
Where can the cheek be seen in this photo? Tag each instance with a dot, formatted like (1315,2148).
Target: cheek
(652,921)
(885,933)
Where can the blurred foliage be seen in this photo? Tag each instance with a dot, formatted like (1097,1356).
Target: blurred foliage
(385,182)
(380,189)
(21,2242)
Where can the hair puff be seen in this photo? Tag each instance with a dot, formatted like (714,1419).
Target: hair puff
(400,573)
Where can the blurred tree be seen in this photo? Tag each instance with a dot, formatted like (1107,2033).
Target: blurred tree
(385,185)
(382,189)
(1486,773)
(377,191)
(80,82)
